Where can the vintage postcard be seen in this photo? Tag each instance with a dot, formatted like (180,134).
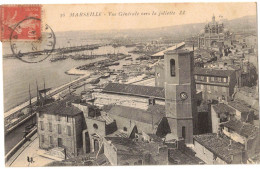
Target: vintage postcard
(130,84)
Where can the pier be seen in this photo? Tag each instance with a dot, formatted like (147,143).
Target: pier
(63,50)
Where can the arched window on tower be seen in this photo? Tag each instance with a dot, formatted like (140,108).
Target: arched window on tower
(172,67)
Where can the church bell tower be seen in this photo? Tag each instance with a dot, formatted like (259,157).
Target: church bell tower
(180,90)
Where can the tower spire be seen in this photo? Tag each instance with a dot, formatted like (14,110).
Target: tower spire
(213,18)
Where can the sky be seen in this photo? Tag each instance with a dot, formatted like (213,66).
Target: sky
(60,19)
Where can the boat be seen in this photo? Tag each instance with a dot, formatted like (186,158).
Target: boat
(29,128)
(105,75)
(129,58)
(130,45)
(62,57)
(78,85)
(94,81)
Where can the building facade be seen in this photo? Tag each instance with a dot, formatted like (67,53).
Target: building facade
(213,35)
(60,125)
(215,84)
(213,149)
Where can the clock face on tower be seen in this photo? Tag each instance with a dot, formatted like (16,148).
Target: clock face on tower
(183,95)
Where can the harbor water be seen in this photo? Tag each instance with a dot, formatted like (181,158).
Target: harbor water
(18,75)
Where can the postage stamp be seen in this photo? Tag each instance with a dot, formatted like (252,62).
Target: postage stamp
(15,22)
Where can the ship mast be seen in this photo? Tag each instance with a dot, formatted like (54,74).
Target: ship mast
(30,103)
(37,92)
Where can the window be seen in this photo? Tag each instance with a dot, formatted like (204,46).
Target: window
(42,138)
(225,79)
(68,119)
(202,77)
(69,130)
(183,132)
(212,79)
(59,128)
(207,79)
(172,67)
(58,118)
(95,126)
(50,127)
(151,101)
(51,140)
(125,129)
(41,125)
(59,142)
(219,79)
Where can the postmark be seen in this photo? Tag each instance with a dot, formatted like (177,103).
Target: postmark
(36,50)
(12,15)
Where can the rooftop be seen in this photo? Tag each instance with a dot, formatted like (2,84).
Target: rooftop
(219,145)
(212,72)
(135,90)
(161,53)
(129,150)
(179,51)
(151,116)
(240,106)
(177,156)
(105,118)
(61,107)
(244,129)
(222,108)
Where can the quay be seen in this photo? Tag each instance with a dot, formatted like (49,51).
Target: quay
(12,113)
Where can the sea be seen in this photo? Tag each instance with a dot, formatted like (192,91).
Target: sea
(18,75)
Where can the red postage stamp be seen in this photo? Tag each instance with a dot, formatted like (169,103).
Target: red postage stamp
(21,22)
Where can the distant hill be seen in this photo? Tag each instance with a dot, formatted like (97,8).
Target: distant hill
(243,24)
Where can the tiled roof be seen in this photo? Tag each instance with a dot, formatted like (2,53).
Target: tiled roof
(129,150)
(240,106)
(244,129)
(136,90)
(219,145)
(223,108)
(105,118)
(60,107)
(212,72)
(151,116)
(176,156)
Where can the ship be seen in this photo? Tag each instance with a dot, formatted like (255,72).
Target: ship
(129,58)
(95,81)
(105,75)
(54,59)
